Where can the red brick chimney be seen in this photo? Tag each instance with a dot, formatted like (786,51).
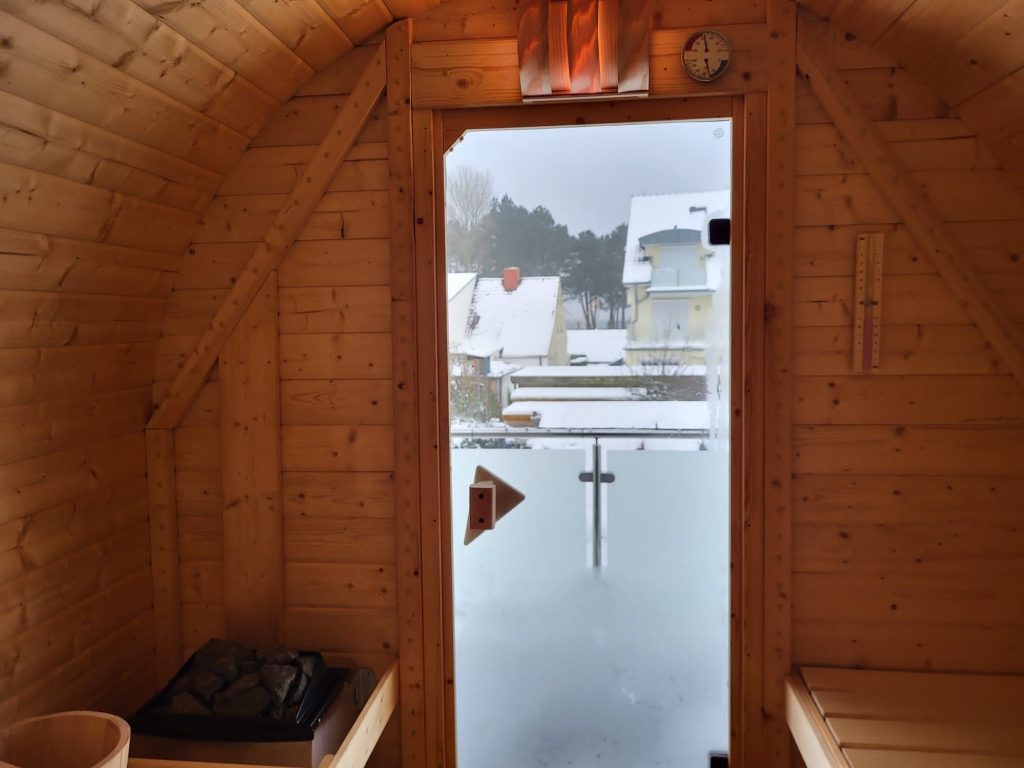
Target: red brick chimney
(510,279)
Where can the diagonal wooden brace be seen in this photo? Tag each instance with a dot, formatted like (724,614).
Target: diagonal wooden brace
(307,192)
(896,184)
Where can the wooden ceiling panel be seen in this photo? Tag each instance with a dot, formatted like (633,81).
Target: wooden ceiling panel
(304,26)
(48,71)
(121,34)
(403,9)
(60,129)
(970,54)
(926,30)
(988,53)
(870,18)
(226,31)
(359,19)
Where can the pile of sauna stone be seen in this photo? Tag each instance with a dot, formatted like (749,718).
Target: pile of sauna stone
(227,679)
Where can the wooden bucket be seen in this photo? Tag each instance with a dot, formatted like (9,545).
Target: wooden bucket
(66,740)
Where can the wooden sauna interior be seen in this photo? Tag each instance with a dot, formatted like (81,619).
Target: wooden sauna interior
(207,330)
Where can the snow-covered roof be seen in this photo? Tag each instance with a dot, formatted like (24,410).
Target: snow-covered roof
(636,414)
(501,368)
(598,346)
(457,281)
(650,214)
(515,323)
(578,393)
(605,371)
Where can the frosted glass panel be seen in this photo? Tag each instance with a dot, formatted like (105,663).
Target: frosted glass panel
(667,555)
(521,592)
(560,663)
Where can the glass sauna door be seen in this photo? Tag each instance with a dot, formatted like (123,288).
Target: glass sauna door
(588,368)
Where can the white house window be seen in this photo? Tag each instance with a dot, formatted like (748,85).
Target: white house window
(686,264)
(670,320)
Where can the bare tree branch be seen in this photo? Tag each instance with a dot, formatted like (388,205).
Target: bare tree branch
(468,193)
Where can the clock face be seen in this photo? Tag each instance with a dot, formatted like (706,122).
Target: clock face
(706,55)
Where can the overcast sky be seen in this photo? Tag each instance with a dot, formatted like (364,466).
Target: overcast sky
(585,175)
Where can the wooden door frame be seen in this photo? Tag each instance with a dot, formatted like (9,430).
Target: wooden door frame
(752,623)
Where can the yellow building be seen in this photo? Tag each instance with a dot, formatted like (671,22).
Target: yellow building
(671,277)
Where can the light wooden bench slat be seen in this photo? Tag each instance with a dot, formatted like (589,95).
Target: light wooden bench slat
(816,742)
(148,762)
(846,718)
(887,758)
(968,738)
(365,732)
(997,709)
(874,683)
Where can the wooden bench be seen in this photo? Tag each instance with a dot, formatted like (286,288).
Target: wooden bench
(858,718)
(354,751)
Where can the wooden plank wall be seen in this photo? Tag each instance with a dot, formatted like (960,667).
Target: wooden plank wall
(117,125)
(92,226)
(908,543)
(334,305)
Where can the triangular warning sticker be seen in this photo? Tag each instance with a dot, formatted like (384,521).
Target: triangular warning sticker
(507,498)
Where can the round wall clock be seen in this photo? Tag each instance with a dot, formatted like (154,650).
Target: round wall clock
(706,55)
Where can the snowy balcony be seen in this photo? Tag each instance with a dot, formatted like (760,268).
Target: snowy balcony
(552,665)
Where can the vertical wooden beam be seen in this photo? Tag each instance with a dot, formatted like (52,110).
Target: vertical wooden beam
(398,47)
(447,592)
(779,245)
(251,466)
(432,331)
(747,530)
(163,547)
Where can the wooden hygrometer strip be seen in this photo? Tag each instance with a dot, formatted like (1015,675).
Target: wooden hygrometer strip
(867,302)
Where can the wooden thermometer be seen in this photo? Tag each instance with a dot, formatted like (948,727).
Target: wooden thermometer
(867,305)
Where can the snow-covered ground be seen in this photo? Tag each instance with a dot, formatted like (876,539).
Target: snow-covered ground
(579,394)
(596,415)
(606,371)
(598,346)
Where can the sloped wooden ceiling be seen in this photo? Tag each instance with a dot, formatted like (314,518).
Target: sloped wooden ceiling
(970,54)
(152,100)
